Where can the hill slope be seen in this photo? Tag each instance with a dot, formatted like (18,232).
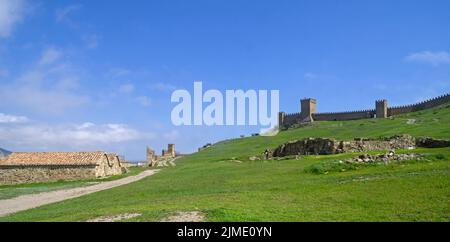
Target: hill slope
(4,153)
(224,185)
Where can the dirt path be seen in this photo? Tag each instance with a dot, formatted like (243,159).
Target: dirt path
(25,202)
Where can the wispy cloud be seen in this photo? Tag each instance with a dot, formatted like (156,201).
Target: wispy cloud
(310,76)
(118,72)
(161,86)
(126,88)
(69,136)
(11,13)
(430,57)
(7,118)
(48,86)
(49,56)
(91,41)
(62,14)
(143,100)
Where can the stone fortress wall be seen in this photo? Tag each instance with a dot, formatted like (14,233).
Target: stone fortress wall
(308,111)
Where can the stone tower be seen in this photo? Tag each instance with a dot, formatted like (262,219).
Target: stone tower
(281,116)
(307,107)
(381,108)
(171,149)
(150,155)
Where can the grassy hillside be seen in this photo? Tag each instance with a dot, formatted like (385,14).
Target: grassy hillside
(223,189)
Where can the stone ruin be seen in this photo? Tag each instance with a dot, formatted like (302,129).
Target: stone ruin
(387,158)
(327,146)
(165,159)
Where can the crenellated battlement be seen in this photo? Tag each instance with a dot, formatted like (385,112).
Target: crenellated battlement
(346,112)
(308,111)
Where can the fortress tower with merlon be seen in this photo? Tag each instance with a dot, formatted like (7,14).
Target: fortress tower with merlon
(308,108)
(381,108)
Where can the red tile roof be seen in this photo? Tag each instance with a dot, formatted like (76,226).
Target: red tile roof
(53,158)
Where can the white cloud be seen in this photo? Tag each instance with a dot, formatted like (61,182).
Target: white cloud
(143,100)
(11,13)
(49,86)
(6,118)
(49,56)
(434,58)
(310,76)
(91,40)
(161,86)
(67,83)
(69,136)
(126,88)
(62,14)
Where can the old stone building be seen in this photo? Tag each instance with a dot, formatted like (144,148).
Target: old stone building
(28,167)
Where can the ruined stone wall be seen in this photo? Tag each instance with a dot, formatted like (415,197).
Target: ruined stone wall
(108,166)
(431,103)
(338,116)
(390,143)
(45,173)
(325,146)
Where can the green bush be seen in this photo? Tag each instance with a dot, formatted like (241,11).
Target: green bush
(440,156)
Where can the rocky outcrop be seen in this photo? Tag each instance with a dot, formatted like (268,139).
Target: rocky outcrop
(428,142)
(308,146)
(326,146)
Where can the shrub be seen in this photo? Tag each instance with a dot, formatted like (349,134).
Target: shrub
(440,156)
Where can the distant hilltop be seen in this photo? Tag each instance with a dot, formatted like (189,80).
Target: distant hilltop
(4,153)
(308,111)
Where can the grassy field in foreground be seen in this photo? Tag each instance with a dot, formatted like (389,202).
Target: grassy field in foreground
(225,190)
(10,191)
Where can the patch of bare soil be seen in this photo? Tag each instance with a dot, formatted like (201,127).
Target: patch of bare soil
(115,218)
(192,216)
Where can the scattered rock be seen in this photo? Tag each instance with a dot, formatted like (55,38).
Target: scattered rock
(115,218)
(193,216)
(253,158)
(411,121)
(383,158)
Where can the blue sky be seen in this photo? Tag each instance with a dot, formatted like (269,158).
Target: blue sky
(98,75)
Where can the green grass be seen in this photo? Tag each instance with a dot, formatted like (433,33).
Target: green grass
(10,191)
(284,190)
